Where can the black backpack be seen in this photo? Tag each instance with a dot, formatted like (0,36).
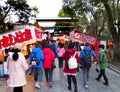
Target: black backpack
(87,59)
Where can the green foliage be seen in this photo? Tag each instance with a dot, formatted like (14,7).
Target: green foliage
(63,14)
(103,16)
(63,28)
(19,8)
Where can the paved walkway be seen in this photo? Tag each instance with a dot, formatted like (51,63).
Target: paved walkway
(60,83)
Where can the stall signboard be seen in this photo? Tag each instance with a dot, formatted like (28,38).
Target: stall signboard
(19,36)
(85,38)
(94,42)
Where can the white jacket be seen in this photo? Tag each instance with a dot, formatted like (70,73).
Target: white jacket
(17,70)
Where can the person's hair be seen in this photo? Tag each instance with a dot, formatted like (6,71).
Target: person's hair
(61,45)
(70,45)
(45,44)
(87,44)
(6,51)
(15,54)
(101,46)
(38,45)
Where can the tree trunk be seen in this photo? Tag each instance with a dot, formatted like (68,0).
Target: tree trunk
(112,28)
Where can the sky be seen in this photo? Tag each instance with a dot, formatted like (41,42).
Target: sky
(47,9)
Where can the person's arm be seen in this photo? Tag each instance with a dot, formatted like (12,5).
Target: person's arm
(52,56)
(77,57)
(81,55)
(94,54)
(24,62)
(41,56)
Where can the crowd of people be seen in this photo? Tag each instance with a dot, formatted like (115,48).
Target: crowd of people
(46,52)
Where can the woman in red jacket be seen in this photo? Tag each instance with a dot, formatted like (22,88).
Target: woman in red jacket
(71,73)
(47,63)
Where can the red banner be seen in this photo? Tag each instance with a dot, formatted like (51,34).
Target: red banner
(27,34)
(94,42)
(85,38)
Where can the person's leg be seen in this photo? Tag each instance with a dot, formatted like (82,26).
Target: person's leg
(39,74)
(35,74)
(84,76)
(18,89)
(75,83)
(69,82)
(105,78)
(50,72)
(46,74)
(88,73)
(59,62)
(99,75)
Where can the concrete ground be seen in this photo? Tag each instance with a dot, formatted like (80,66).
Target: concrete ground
(60,82)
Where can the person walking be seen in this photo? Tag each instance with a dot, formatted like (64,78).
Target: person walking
(37,69)
(61,50)
(103,63)
(48,62)
(53,46)
(17,65)
(86,67)
(71,73)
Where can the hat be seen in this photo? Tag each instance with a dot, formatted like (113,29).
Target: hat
(101,46)
(17,46)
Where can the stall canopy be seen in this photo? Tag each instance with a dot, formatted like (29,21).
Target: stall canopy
(19,36)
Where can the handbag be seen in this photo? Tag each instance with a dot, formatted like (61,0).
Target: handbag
(35,61)
(53,65)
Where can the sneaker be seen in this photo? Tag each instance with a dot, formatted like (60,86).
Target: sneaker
(97,79)
(105,83)
(86,86)
(37,85)
(88,82)
(61,69)
(50,84)
(69,88)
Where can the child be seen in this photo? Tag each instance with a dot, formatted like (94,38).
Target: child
(103,63)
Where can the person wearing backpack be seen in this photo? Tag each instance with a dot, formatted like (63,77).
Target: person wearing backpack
(103,63)
(37,69)
(71,73)
(86,56)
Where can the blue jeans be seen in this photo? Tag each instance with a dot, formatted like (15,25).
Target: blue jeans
(38,74)
(85,74)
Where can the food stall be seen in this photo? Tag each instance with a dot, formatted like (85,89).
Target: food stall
(24,36)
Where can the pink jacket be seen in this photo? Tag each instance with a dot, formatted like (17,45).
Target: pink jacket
(60,51)
(16,70)
(49,58)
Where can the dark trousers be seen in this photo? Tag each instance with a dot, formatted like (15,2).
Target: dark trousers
(18,89)
(60,59)
(73,78)
(102,73)
(48,74)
